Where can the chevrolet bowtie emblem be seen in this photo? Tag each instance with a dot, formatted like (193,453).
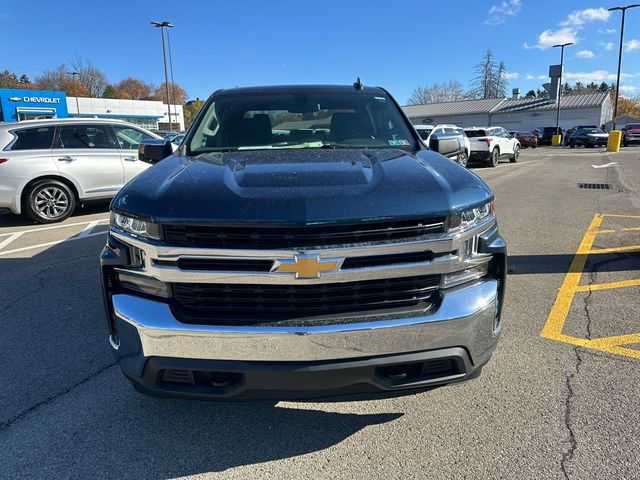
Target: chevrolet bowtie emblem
(307,266)
(15,99)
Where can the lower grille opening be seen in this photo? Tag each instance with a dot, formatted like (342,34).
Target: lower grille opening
(177,376)
(420,371)
(226,303)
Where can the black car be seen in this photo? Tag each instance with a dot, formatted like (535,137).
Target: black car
(547,134)
(589,137)
(301,241)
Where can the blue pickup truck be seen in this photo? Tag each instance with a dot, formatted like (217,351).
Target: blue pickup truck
(302,241)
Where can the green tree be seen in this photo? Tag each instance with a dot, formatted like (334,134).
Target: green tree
(9,80)
(110,92)
(603,87)
(541,93)
(530,94)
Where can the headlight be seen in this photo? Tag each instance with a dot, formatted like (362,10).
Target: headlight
(134,226)
(470,218)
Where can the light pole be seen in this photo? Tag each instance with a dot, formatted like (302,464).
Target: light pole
(162,26)
(623,10)
(173,88)
(560,85)
(75,90)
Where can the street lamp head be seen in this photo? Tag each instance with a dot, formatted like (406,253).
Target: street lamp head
(624,8)
(162,24)
(563,45)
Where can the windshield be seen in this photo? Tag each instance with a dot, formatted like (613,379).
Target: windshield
(475,133)
(314,120)
(593,130)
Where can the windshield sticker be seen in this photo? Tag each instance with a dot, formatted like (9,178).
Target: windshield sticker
(399,143)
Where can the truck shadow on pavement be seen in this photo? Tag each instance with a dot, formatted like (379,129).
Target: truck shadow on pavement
(607,262)
(66,411)
(7,219)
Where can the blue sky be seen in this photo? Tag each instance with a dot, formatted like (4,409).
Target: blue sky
(398,45)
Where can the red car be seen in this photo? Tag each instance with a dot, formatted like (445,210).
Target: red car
(631,134)
(526,139)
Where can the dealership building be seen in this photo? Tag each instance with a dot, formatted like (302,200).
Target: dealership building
(19,105)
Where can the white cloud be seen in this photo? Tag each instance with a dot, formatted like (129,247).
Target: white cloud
(549,38)
(628,89)
(597,76)
(580,17)
(609,46)
(584,54)
(632,45)
(511,76)
(536,77)
(500,12)
(607,31)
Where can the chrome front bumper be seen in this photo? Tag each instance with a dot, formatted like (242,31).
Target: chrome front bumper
(466,318)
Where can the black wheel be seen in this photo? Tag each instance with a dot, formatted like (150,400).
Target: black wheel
(462,159)
(49,201)
(533,146)
(516,154)
(625,144)
(588,145)
(572,144)
(495,158)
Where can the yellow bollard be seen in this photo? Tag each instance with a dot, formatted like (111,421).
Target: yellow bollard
(613,144)
(556,140)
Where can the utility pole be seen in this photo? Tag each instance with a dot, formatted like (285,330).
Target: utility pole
(162,26)
(623,10)
(560,84)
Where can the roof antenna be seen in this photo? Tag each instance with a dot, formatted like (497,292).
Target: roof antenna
(358,84)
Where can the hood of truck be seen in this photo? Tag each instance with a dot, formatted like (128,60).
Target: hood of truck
(305,186)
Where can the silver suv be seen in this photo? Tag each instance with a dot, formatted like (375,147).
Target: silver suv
(47,167)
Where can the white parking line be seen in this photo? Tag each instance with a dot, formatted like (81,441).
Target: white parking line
(87,230)
(48,244)
(13,237)
(41,229)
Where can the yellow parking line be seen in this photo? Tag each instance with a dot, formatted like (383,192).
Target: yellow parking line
(619,216)
(628,248)
(616,340)
(560,310)
(606,286)
(630,229)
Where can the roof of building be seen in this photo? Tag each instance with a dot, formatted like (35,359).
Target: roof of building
(459,107)
(499,105)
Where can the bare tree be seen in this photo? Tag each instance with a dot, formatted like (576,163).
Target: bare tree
(490,79)
(438,92)
(91,77)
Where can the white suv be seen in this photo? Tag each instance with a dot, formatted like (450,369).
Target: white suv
(426,131)
(49,166)
(490,144)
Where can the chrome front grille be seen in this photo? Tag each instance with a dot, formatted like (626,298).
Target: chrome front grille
(206,285)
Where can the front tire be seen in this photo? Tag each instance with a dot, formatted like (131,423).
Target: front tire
(572,144)
(495,158)
(462,159)
(516,154)
(49,201)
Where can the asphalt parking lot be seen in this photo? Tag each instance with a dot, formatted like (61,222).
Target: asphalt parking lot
(559,398)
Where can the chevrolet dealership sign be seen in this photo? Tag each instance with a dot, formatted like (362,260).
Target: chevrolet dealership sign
(35,99)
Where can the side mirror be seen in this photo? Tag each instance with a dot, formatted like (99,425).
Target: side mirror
(152,151)
(447,144)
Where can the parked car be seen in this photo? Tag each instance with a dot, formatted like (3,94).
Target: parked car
(589,137)
(251,264)
(490,144)
(546,135)
(526,139)
(631,134)
(440,133)
(48,167)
